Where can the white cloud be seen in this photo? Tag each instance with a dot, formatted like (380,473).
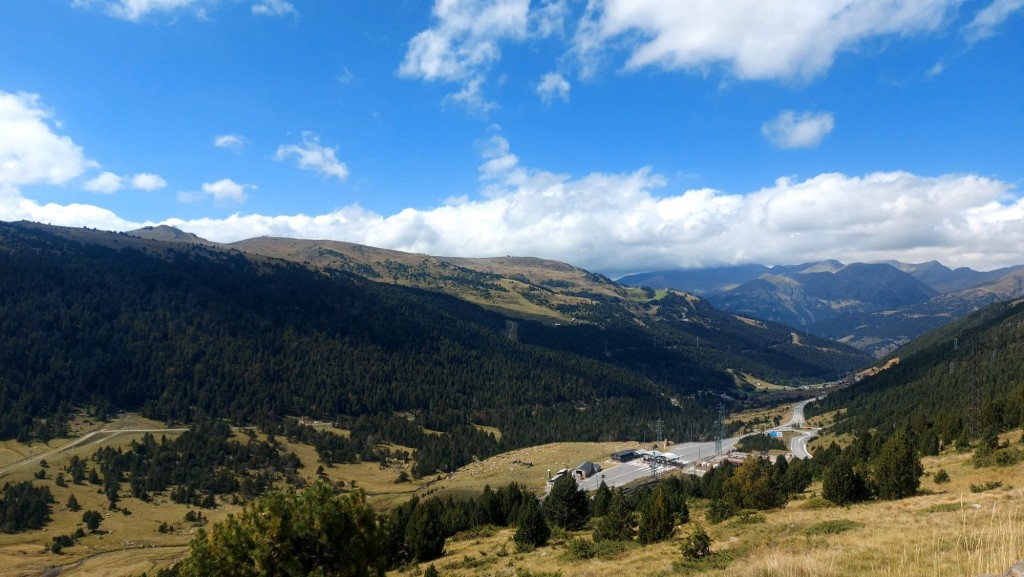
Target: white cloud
(798,129)
(314,156)
(109,183)
(548,18)
(551,85)
(105,183)
(465,41)
(135,10)
(148,182)
(30,152)
(626,222)
(273,8)
(225,190)
(471,96)
(751,39)
(346,77)
(232,141)
(988,19)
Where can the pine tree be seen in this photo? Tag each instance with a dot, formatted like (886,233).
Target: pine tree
(841,484)
(531,529)
(697,544)
(656,522)
(617,523)
(753,486)
(898,470)
(73,505)
(424,535)
(92,520)
(602,500)
(566,506)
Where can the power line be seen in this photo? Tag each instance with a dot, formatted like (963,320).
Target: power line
(976,351)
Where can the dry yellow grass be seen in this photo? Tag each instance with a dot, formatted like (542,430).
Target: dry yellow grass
(512,466)
(947,531)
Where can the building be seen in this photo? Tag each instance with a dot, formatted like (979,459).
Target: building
(626,456)
(585,470)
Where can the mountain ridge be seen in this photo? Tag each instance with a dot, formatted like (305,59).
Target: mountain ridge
(876,307)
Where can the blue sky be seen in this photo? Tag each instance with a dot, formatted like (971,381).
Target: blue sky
(618,135)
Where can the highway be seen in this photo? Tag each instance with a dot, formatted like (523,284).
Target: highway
(625,473)
(798,444)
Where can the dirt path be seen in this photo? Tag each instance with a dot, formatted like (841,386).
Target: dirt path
(100,435)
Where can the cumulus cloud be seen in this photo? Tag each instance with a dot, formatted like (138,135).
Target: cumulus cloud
(989,18)
(798,129)
(232,141)
(627,222)
(551,85)
(109,182)
(312,155)
(105,183)
(227,190)
(30,151)
(465,41)
(751,39)
(273,8)
(148,182)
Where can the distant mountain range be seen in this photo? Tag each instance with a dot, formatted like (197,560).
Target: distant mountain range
(873,306)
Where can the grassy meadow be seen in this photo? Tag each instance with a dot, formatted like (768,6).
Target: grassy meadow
(946,530)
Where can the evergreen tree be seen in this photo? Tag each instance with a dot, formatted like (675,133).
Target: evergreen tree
(73,505)
(425,535)
(566,506)
(92,520)
(697,544)
(841,484)
(897,470)
(753,486)
(656,521)
(531,529)
(617,522)
(602,500)
(929,443)
(289,535)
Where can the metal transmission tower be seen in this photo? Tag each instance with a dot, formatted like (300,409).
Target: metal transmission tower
(659,431)
(976,351)
(719,429)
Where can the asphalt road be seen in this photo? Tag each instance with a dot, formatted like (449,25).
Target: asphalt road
(625,473)
(100,435)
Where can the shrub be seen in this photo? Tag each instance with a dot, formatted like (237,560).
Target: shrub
(579,549)
(697,544)
(941,476)
(832,527)
(987,486)
(720,510)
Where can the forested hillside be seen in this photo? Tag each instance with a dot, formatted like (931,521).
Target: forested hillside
(963,381)
(188,332)
(659,333)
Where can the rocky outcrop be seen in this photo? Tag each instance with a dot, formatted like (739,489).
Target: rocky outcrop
(1015,571)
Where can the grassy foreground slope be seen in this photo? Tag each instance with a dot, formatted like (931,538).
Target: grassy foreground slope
(946,531)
